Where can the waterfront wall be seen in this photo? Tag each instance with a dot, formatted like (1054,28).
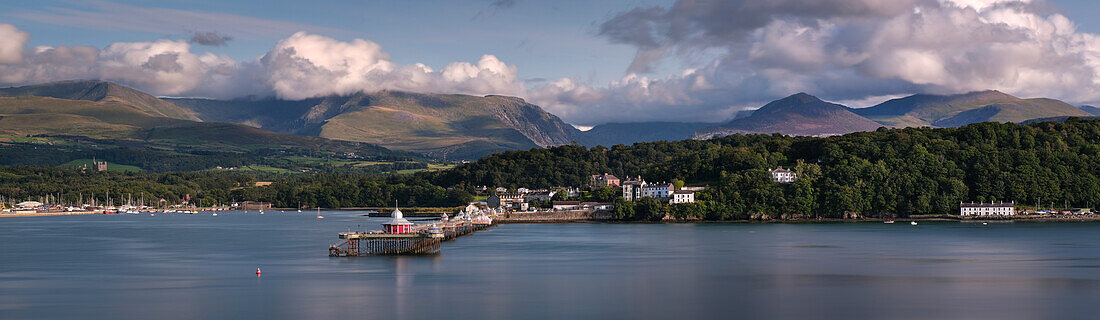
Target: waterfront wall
(555,216)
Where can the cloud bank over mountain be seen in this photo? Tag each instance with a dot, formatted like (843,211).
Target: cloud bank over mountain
(840,49)
(729,55)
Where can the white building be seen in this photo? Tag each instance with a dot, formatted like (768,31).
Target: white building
(540,195)
(987,209)
(658,190)
(634,189)
(682,196)
(781,175)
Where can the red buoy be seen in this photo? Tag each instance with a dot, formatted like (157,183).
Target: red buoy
(257,271)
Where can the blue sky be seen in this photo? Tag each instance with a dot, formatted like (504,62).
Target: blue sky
(589,62)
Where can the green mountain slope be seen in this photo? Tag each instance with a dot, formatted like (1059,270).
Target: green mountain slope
(451,125)
(963,109)
(102,91)
(33,115)
(799,114)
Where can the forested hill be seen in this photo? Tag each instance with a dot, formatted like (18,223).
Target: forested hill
(896,172)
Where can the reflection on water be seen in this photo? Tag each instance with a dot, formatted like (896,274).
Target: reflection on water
(199,266)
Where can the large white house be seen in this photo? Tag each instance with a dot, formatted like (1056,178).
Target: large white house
(987,209)
(781,175)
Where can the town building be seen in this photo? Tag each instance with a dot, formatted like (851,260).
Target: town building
(658,190)
(682,196)
(781,175)
(567,205)
(604,180)
(28,205)
(570,191)
(539,195)
(632,189)
(987,209)
(596,206)
(506,200)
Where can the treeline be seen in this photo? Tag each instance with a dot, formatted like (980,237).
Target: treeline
(192,160)
(896,172)
(348,189)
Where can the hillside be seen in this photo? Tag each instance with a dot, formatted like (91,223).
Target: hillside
(451,125)
(882,173)
(610,134)
(102,91)
(1090,109)
(799,114)
(963,109)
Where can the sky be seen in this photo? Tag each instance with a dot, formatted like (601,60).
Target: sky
(589,62)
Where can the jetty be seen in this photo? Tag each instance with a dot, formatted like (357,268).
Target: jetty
(401,237)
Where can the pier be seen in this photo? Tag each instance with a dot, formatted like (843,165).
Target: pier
(400,237)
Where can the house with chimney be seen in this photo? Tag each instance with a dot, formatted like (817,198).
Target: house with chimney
(603,180)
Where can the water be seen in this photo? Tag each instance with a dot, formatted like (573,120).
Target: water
(198,266)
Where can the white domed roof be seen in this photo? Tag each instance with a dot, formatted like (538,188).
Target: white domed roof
(397,218)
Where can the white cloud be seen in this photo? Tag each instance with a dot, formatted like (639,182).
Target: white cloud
(301,66)
(306,65)
(12,42)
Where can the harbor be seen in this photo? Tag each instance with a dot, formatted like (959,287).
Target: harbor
(399,236)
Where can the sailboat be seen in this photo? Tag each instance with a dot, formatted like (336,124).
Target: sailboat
(261,207)
(299,207)
(319,216)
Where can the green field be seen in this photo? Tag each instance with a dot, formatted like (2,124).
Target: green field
(431,167)
(110,166)
(262,168)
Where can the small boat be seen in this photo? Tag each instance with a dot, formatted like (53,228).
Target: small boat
(215,214)
(913,223)
(888,221)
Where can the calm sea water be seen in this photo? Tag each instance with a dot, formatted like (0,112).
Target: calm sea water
(198,266)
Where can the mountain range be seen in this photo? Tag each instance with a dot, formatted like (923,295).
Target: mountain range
(441,125)
(452,126)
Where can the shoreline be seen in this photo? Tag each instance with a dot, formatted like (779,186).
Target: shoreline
(588,216)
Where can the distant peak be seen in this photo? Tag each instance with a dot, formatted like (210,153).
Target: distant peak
(801,97)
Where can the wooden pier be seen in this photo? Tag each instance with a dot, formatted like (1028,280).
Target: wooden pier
(424,239)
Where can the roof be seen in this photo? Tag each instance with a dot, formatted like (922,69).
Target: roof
(566,203)
(987,205)
(605,176)
(29,204)
(683,192)
(779,170)
(397,218)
